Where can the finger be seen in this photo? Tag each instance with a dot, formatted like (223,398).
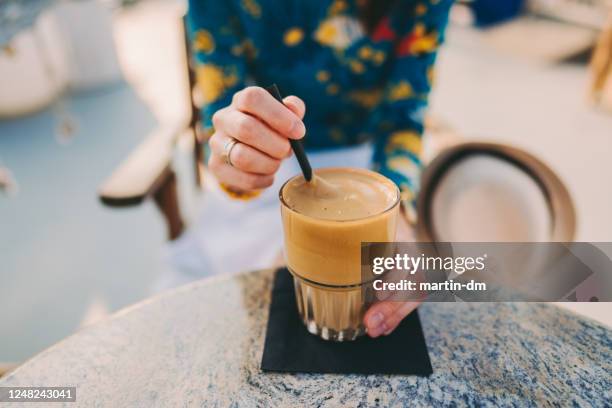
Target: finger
(383,317)
(296,105)
(247,129)
(376,316)
(400,313)
(238,179)
(258,102)
(405,232)
(243,156)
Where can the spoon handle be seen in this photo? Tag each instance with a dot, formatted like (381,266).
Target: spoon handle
(296,145)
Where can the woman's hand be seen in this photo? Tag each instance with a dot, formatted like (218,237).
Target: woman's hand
(383,317)
(262,126)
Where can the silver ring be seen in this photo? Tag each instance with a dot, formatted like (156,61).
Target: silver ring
(227,150)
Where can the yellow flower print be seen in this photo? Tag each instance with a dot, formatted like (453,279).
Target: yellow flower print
(402,90)
(367,98)
(379,57)
(419,30)
(420,41)
(326,33)
(356,66)
(293,36)
(431,74)
(339,32)
(365,52)
(332,89)
(323,76)
(251,7)
(203,41)
(404,140)
(427,43)
(213,82)
(403,165)
(420,9)
(337,7)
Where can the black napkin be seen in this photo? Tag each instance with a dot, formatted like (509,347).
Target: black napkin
(289,347)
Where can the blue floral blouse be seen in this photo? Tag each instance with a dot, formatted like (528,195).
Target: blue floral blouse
(357,87)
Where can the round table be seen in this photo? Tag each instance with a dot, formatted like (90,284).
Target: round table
(201,345)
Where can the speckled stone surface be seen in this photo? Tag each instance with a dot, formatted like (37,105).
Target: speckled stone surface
(201,345)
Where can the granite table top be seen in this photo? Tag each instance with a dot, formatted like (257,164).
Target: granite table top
(201,345)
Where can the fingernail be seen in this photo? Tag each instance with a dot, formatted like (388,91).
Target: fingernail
(388,332)
(375,320)
(378,330)
(298,129)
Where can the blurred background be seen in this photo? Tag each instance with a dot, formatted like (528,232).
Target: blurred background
(100,150)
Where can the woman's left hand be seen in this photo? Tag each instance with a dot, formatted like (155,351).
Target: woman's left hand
(383,317)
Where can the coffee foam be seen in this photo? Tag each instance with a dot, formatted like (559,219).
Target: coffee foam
(340,194)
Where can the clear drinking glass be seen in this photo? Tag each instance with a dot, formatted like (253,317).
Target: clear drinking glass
(324,257)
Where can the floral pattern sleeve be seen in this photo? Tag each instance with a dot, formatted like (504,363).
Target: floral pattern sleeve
(358,86)
(398,119)
(219,54)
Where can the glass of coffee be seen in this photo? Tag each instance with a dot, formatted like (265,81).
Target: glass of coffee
(325,221)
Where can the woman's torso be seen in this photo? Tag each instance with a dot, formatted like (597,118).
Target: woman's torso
(293,42)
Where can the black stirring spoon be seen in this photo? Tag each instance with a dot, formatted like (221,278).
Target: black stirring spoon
(296,145)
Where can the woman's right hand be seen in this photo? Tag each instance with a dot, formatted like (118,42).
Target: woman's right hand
(262,126)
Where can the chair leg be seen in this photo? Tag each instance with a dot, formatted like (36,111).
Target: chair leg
(166,199)
(198,159)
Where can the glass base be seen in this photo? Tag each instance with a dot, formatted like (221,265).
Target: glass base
(332,313)
(333,335)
